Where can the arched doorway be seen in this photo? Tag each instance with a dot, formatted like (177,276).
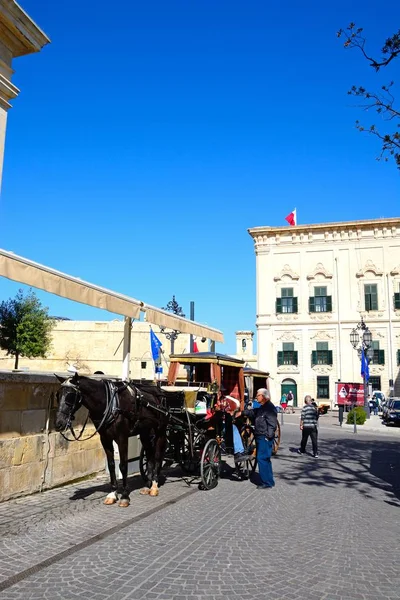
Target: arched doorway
(289,384)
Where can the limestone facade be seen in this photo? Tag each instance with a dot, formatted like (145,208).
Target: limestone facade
(33,456)
(98,346)
(313,285)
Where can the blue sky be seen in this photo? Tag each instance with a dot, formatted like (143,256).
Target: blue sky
(148,139)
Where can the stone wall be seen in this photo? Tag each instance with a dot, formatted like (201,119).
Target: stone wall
(33,456)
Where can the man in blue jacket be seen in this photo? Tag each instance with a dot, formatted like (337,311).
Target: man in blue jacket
(265,421)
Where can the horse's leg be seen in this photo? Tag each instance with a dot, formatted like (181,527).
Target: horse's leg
(122,442)
(107,443)
(158,460)
(148,446)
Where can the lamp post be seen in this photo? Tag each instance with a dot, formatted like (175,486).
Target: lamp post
(171,336)
(362,343)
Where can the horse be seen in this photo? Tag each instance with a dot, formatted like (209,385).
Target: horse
(118,410)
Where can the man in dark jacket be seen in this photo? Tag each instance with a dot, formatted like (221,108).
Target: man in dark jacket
(265,421)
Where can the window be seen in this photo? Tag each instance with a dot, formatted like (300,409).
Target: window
(287,303)
(371,296)
(322,355)
(323,387)
(322,346)
(379,355)
(320,302)
(375,383)
(288,356)
(398,357)
(143,365)
(396,300)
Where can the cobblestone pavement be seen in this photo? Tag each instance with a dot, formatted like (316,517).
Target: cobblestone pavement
(329,530)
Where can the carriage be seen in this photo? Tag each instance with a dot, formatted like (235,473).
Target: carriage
(187,422)
(201,408)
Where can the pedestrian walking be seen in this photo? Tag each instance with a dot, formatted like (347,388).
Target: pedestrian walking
(308,426)
(265,421)
(290,401)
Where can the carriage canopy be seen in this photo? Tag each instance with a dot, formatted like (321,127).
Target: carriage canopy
(210,368)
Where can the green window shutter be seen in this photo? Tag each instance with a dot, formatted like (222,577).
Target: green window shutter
(313,358)
(329,304)
(367,302)
(398,357)
(279,305)
(397,300)
(295,309)
(330,357)
(280,359)
(311,304)
(381,357)
(295,359)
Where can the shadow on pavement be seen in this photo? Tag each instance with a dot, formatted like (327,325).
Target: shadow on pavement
(357,464)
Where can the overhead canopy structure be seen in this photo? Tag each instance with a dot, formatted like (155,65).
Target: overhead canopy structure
(206,357)
(39,276)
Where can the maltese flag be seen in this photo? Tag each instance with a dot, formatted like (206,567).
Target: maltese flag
(292,218)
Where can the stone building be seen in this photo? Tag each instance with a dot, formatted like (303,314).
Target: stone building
(314,283)
(98,346)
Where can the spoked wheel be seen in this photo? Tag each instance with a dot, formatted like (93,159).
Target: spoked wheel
(210,465)
(277,439)
(249,443)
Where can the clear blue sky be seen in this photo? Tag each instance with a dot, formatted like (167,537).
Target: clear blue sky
(148,136)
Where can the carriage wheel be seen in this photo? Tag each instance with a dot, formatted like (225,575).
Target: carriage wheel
(277,439)
(210,465)
(249,443)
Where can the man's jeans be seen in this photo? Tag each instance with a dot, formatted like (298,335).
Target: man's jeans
(237,440)
(264,453)
(313,433)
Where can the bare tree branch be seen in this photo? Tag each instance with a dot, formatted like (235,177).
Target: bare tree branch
(382,102)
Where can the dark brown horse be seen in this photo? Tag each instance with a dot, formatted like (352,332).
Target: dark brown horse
(118,410)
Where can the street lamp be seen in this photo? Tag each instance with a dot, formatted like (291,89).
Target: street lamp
(362,343)
(171,336)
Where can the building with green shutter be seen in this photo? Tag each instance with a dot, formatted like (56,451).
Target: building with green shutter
(314,283)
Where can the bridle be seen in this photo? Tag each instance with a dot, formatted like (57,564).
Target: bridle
(72,408)
(111,411)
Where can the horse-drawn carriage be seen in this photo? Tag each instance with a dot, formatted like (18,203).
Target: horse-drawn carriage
(187,422)
(202,405)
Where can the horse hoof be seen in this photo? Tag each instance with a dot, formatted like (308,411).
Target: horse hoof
(123,503)
(154,492)
(145,491)
(109,501)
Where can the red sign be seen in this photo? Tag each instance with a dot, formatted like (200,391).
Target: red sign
(348,394)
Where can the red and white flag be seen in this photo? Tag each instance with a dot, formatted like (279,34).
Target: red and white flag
(292,218)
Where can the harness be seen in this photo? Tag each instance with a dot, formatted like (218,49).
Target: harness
(112,409)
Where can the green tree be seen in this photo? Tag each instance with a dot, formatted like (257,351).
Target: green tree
(382,101)
(25,327)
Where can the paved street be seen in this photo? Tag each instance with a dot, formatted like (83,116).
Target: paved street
(330,529)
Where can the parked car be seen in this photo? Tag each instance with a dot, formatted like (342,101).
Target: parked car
(392,412)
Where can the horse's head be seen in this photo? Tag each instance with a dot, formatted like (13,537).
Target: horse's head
(69,400)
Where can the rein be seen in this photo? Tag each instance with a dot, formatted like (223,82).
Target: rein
(111,410)
(112,407)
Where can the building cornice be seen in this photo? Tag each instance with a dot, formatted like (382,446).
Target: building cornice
(326,232)
(18,31)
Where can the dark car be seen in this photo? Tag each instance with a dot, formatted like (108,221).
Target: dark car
(392,412)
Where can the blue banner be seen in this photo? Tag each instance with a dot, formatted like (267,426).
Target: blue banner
(155,345)
(364,365)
